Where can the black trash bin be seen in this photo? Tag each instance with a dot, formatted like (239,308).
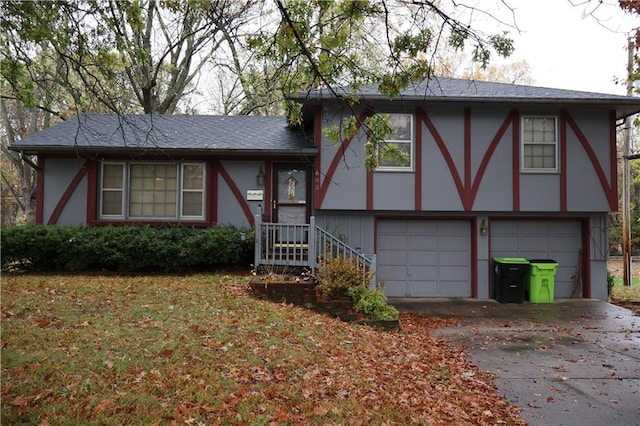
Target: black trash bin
(510,278)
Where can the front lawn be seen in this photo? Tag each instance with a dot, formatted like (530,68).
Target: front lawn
(200,349)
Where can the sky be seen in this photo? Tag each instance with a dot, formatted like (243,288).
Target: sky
(568,44)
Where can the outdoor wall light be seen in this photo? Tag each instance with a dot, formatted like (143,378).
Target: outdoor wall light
(483,228)
(260,177)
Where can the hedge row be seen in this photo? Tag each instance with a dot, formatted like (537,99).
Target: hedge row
(124,248)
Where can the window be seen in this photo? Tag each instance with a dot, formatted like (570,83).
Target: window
(402,138)
(192,190)
(539,144)
(112,194)
(152,191)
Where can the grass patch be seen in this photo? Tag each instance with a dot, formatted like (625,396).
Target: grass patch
(199,349)
(622,293)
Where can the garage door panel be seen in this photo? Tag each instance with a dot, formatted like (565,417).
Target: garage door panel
(454,273)
(424,288)
(562,244)
(393,257)
(452,228)
(391,273)
(454,242)
(541,239)
(453,258)
(438,258)
(422,258)
(423,242)
(422,227)
(503,242)
(455,288)
(537,243)
(563,228)
(393,242)
(399,288)
(531,227)
(527,254)
(423,272)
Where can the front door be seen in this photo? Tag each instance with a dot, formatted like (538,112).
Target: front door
(291,190)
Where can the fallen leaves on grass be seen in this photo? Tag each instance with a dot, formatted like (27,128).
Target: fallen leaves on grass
(200,350)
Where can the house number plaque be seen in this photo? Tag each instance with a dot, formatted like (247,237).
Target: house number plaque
(255,195)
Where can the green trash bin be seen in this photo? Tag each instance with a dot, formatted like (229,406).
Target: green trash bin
(542,280)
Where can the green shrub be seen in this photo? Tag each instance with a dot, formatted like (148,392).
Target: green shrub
(126,248)
(337,274)
(373,303)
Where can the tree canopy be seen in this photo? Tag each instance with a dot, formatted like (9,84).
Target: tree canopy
(59,58)
(146,55)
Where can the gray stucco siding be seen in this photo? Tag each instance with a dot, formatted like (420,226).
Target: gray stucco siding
(495,191)
(584,189)
(356,229)
(394,191)
(444,167)
(346,187)
(243,175)
(58,174)
(540,192)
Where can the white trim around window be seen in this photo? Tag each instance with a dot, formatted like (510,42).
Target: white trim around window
(403,137)
(539,144)
(152,191)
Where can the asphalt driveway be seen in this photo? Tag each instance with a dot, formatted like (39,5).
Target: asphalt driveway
(573,362)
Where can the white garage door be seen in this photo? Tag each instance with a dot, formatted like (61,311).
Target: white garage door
(559,240)
(424,258)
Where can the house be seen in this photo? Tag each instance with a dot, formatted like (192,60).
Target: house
(494,170)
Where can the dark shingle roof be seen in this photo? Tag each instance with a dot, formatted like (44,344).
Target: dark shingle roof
(438,89)
(189,133)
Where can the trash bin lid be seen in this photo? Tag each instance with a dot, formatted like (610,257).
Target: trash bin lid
(542,261)
(517,260)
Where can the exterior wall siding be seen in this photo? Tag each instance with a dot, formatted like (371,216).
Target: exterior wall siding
(358,230)
(468,159)
(64,201)
(238,177)
(70,193)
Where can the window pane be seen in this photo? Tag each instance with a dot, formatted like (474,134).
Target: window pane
(388,160)
(401,126)
(112,203)
(112,181)
(112,176)
(539,143)
(540,156)
(153,190)
(292,186)
(192,204)
(193,175)
(402,139)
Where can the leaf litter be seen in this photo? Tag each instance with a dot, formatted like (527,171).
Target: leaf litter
(199,349)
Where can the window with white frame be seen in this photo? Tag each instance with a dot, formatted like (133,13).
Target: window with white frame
(150,190)
(402,138)
(112,190)
(539,144)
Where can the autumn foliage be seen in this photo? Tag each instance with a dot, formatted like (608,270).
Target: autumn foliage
(200,349)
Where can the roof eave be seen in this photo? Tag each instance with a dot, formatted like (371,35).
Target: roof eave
(623,107)
(36,150)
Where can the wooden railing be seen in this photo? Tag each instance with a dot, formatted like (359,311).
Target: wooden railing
(303,245)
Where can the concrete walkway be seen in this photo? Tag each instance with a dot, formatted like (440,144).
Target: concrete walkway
(573,362)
